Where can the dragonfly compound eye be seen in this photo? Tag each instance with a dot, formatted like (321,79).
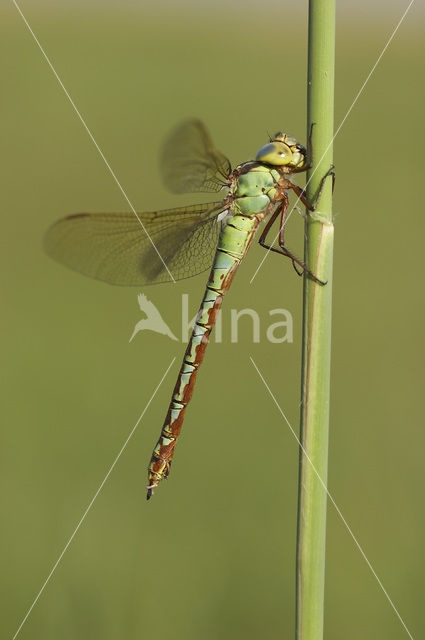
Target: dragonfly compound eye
(275,153)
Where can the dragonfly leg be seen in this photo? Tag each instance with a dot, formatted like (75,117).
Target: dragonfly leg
(280,209)
(304,268)
(283,251)
(302,195)
(282,240)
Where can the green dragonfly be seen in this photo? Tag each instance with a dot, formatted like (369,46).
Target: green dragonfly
(161,246)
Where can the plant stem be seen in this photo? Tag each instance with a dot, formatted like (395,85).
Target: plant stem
(315,383)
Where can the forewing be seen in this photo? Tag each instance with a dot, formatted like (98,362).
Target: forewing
(116,248)
(190,162)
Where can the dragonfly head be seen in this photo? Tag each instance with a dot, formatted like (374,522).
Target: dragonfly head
(283,150)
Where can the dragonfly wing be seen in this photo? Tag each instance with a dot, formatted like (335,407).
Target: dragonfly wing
(190,162)
(116,248)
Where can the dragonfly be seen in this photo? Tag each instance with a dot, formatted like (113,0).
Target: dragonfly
(162,246)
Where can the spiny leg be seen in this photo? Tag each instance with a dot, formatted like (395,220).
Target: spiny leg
(283,251)
(282,243)
(304,268)
(286,251)
(266,229)
(302,195)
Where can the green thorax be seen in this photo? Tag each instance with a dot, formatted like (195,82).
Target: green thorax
(255,188)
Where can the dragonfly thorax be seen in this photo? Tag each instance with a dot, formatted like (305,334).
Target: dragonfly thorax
(254,187)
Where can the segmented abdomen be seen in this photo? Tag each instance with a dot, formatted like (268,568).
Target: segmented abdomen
(233,244)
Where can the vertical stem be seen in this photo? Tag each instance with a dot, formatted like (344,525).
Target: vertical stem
(315,383)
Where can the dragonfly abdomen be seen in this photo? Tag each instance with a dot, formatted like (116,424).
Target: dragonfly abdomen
(233,244)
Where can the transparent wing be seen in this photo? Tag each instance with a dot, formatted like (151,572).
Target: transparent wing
(115,248)
(190,162)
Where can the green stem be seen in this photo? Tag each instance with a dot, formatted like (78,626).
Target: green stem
(315,384)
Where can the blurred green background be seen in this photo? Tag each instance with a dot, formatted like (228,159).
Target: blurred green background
(212,555)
